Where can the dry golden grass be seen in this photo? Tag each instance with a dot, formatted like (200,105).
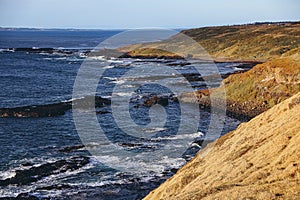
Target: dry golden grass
(257,90)
(259,160)
(268,83)
(255,42)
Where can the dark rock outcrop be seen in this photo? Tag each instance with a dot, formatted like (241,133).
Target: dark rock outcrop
(22,196)
(71,148)
(33,174)
(46,50)
(55,109)
(162,100)
(48,110)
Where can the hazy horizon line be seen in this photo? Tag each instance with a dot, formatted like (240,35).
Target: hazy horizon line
(178,28)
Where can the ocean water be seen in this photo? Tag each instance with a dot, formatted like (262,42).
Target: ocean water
(44,157)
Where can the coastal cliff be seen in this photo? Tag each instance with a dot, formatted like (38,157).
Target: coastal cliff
(259,160)
(250,93)
(276,45)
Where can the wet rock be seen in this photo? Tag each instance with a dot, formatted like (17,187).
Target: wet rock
(27,197)
(136,145)
(35,50)
(55,109)
(102,112)
(55,187)
(22,196)
(89,101)
(33,174)
(181,63)
(71,148)
(193,77)
(123,144)
(162,100)
(151,101)
(27,164)
(43,50)
(174,170)
(134,189)
(48,110)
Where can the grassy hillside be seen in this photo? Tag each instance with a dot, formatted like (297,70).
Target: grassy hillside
(257,42)
(249,42)
(259,160)
(255,91)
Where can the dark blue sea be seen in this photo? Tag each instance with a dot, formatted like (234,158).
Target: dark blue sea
(44,157)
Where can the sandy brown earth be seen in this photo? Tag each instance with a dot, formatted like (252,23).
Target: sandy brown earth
(259,160)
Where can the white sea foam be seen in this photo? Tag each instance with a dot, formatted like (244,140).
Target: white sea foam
(115,61)
(143,167)
(108,67)
(106,96)
(99,183)
(118,81)
(54,177)
(182,136)
(7,50)
(159,165)
(122,94)
(60,58)
(235,66)
(35,162)
(82,55)
(101,58)
(153,130)
(231,65)
(14,190)
(72,59)
(238,69)
(44,53)
(127,86)
(73,99)
(195,145)
(7,174)
(110,78)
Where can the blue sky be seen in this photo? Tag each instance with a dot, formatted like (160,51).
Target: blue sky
(115,14)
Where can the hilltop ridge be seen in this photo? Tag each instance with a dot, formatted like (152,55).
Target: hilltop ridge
(249,42)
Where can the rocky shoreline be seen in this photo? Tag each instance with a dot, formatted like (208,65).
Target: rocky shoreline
(267,96)
(33,174)
(233,109)
(253,92)
(273,49)
(265,85)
